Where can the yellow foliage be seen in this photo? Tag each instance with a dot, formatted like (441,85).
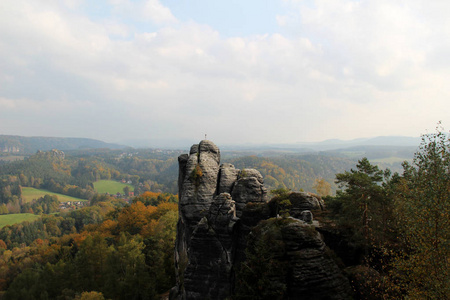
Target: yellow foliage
(91,296)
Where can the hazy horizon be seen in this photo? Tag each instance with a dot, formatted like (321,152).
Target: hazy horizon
(242,72)
(313,146)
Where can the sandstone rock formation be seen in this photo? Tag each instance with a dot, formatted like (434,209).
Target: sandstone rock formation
(296,264)
(218,208)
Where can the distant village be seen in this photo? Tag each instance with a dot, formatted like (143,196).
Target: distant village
(72,205)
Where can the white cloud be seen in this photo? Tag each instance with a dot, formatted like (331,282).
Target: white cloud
(7,103)
(375,63)
(381,41)
(144,10)
(158,12)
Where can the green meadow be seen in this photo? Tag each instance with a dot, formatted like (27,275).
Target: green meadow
(29,194)
(110,186)
(16,218)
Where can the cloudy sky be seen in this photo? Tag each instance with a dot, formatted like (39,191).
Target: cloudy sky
(250,71)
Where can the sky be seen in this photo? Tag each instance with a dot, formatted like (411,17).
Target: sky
(242,72)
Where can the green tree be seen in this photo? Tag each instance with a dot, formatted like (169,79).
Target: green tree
(363,206)
(27,286)
(47,204)
(127,273)
(90,263)
(126,190)
(281,199)
(3,209)
(422,198)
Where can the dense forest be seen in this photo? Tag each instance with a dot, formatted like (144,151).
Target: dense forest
(112,249)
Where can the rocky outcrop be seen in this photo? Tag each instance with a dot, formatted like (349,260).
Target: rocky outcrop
(53,154)
(10,149)
(219,206)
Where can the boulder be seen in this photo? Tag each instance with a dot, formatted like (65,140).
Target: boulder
(246,173)
(305,201)
(248,188)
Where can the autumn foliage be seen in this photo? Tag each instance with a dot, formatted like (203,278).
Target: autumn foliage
(121,253)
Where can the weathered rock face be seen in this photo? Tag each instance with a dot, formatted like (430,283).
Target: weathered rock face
(228,175)
(311,272)
(296,264)
(218,207)
(204,246)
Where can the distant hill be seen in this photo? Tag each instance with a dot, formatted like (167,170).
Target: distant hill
(392,141)
(327,145)
(374,151)
(28,145)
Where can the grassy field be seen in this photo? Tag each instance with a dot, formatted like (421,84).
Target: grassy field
(28,194)
(110,186)
(16,218)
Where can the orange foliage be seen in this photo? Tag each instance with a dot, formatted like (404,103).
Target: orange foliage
(134,217)
(51,250)
(150,195)
(156,225)
(78,238)
(107,228)
(38,241)
(142,219)
(150,229)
